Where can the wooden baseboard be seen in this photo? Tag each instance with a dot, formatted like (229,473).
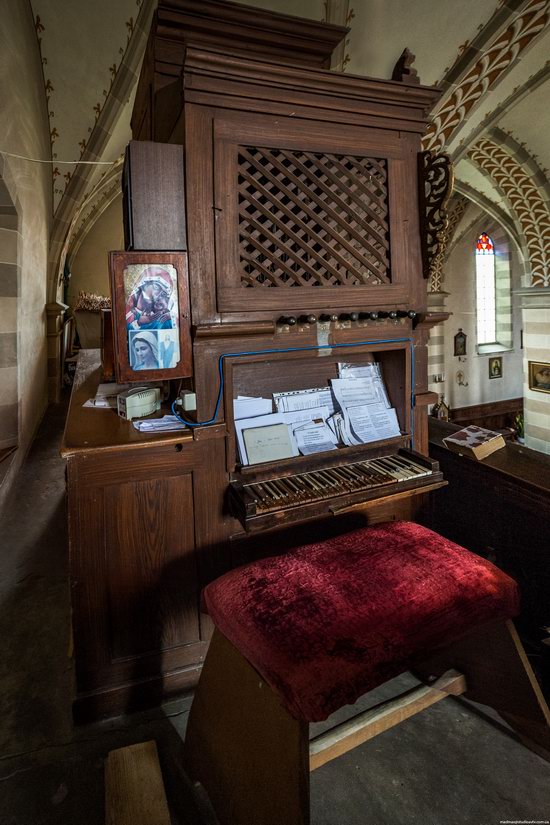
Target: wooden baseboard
(493,415)
(135,696)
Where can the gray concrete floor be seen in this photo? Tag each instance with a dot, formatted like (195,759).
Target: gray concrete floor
(451,765)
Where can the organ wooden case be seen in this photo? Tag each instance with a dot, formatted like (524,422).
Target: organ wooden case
(304,250)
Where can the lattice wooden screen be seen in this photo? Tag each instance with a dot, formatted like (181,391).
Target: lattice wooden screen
(309,219)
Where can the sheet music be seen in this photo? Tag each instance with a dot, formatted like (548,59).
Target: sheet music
(304,399)
(352,392)
(373,422)
(371,372)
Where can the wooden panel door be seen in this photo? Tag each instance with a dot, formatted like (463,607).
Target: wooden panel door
(309,215)
(142,545)
(151,566)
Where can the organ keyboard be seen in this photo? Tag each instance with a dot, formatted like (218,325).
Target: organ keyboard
(282,498)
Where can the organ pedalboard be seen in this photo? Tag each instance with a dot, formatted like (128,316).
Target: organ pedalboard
(265,500)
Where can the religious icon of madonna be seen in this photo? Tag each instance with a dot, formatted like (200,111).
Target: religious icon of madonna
(152,307)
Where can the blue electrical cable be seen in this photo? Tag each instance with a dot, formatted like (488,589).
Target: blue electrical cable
(293,349)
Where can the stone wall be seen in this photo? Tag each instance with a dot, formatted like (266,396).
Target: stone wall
(26,209)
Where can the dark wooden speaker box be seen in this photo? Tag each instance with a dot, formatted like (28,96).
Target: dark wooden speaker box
(154,197)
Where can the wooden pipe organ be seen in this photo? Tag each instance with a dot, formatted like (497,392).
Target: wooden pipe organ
(304,250)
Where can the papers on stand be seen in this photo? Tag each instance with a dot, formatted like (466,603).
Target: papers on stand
(354,410)
(366,414)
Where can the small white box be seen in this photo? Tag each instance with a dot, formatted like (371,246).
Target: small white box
(138,402)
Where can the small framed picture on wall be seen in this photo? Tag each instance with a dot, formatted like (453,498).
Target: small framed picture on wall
(151,320)
(460,343)
(495,367)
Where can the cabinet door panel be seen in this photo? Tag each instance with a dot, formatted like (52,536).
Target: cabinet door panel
(151,567)
(308,216)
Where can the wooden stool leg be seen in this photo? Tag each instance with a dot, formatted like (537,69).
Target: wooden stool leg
(250,755)
(498,674)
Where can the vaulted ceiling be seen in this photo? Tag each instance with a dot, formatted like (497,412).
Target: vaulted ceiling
(489,57)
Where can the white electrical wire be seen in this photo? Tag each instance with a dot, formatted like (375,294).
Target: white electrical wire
(61,162)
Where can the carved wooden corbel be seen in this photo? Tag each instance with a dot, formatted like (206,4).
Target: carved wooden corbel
(435,186)
(403,70)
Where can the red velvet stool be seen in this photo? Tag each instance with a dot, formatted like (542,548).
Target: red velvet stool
(300,635)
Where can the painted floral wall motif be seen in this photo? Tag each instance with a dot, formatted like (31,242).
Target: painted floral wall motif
(76,95)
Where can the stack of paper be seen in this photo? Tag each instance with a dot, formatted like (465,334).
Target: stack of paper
(245,406)
(159,425)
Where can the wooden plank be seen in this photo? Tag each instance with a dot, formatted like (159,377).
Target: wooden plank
(134,790)
(343,738)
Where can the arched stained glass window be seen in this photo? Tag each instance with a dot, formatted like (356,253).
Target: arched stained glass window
(486,309)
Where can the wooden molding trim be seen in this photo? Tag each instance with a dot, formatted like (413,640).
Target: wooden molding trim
(492,408)
(265,32)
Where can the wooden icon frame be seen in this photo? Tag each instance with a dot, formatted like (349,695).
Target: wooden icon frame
(160,279)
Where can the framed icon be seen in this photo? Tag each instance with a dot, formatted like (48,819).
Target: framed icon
(539,376)
(460,343)
(495,367)
(150,300)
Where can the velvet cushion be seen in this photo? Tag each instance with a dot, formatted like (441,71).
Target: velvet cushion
(329,621)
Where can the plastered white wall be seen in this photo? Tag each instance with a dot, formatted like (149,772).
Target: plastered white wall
(460,284)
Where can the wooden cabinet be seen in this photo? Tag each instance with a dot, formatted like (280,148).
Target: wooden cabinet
(141,540)
(304,250)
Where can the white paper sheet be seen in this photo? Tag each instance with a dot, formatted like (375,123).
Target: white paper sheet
(373,422)
(250,407)
(314,438)
(297,417)
(371,372)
